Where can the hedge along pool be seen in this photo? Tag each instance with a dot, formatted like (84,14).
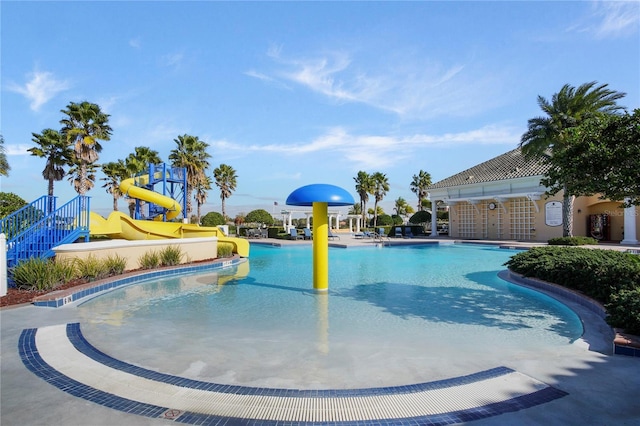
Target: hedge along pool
(393,316)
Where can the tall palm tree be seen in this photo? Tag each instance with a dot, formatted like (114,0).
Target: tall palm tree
(89,180)
(225,177)
(380,186)
(363,188)
(114,172)
(568,108)
(4,164)
(52,146)
(419,186)
(84,126)
(202,188)
(190,153)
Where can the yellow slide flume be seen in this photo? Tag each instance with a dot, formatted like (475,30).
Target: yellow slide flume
(120,225)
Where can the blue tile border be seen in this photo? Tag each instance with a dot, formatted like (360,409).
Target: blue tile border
(109,285)
(34,363)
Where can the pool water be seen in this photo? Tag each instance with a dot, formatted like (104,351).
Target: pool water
(393,315)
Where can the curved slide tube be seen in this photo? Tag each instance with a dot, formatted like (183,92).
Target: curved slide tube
(120,225)
(128,187)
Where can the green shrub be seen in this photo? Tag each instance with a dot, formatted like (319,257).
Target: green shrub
(91,268)
(225,250)
(149,260)
(624,310)
(572,241)
(115,264)
(605,275)
(171,255)
(41,274)
(212,219)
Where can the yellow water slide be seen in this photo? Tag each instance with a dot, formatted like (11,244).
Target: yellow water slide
(120,225)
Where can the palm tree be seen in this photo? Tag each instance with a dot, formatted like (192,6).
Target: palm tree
(4,164)
(89,181)
(363,188)
(115,172)
(419,186)
(225,177)
(138,161)
(190,153)
(202,192)
(568,108)
(402,208)
(84,126)
(379,188)
(54,147)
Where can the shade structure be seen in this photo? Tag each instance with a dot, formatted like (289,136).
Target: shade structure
(320,192)
(320,196)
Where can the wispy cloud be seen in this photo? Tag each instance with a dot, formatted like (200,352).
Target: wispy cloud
(376,151)
(41,88)
(172,59)
(618,18)
(17,149)
(610,19)
(409,87)
(136,43)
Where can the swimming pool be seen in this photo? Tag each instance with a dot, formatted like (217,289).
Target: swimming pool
(393,316)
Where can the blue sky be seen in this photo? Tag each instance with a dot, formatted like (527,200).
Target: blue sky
(295,93)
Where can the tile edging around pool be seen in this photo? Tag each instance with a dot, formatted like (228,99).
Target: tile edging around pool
(66,297)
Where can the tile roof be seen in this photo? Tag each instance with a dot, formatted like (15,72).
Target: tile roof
(510,165)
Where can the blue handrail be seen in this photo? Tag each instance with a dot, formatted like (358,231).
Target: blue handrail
(37,228)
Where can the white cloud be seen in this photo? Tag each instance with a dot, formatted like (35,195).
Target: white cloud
(375,151)
(135,43)
(17,149)
(609,19)
(172,59)
(617,18)
(41,87)
(409,87)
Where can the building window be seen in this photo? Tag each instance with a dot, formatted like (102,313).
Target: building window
(522,220)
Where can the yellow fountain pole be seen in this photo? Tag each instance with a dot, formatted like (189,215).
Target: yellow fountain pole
(320,246)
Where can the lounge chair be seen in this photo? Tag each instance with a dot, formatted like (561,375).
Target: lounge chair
(307,234)
(293,234)
(408,233)
(332,235)
(397,232)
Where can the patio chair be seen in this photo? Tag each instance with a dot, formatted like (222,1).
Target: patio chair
(397,232)
(307,234)
(332,235)
(293,234)
(408,233)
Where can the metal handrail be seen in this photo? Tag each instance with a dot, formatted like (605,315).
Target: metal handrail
(62,225)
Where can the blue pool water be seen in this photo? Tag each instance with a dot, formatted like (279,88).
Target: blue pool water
(393,315)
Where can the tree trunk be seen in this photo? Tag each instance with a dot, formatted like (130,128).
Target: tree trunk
(224,210)
(82,187)
(375,214)
(567,215)
(115,203)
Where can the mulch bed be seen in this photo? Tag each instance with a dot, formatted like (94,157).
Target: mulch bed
(15,296)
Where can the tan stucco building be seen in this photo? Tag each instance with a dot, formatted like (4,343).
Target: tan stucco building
(503,199)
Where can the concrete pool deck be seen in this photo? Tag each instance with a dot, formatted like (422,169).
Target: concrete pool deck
(600,388)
